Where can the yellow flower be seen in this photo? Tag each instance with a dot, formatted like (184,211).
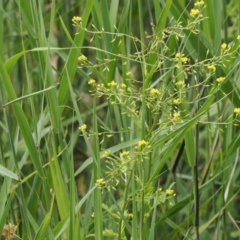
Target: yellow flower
(112,84)
(91,82)
(178,55)
(211,67)
(199,4)
(99,86)
(154,91)
(76,19)
(180,83)
(182,57)
(194,12)
(238,37)
(83,127)
(184,60)
(169,192)
(176,115)
(82,58)
(100,182)
(123,85)
(106,153)
(220,79)
(129,74)
(224,46)
(142,143)
(176,101)
(125,153)
(237,110)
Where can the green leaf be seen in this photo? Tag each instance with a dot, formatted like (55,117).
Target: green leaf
(21,119)
(5,172)
(46,222)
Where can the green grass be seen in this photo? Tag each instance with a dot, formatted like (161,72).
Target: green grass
(159,156)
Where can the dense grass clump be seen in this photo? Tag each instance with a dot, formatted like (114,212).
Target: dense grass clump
(119,119)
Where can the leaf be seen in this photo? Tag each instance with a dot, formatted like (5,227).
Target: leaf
(5,172)
(46,222)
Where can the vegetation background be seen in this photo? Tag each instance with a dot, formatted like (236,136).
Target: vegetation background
(119,119)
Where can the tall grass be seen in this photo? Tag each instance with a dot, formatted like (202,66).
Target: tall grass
(119,119)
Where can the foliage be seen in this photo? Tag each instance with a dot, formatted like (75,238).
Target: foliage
(119,119)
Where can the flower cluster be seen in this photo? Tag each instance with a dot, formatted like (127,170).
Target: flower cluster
(169,192)
(82,58)
(129,74)
(220,79)
(211,67)
(177,101)
(236,110)
(100,183)
(92,82)
(182,58)
(225,47)
(123,86)
(8,231)
(76,19)
(180,83)
(83,127)
(106,153)
(195,11)
(112,84)
(165,195)
(176,116)
(125,153)
(154,91)
(199,3)
(142,143)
